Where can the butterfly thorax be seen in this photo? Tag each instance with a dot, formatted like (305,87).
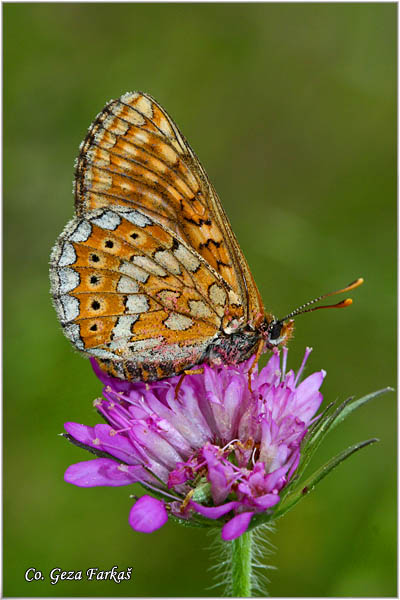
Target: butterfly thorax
(233,347)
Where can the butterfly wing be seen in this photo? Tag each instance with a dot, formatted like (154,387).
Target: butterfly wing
(134,155)
(131,293)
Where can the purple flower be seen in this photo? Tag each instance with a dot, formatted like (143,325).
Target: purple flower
(214,450)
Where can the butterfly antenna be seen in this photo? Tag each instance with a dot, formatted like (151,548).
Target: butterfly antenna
(303,309)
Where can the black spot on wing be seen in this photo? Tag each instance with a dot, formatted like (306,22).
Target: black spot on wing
(208,243)
(199,223)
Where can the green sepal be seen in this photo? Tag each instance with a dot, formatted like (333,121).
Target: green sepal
(202,492)
(206,524)
(309,484)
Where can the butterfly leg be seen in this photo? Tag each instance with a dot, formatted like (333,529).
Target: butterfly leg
(187,372)
(256,359)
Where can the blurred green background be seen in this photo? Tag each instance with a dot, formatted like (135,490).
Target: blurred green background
(292,110)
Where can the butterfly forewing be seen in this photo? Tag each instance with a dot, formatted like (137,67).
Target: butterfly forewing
(134,155)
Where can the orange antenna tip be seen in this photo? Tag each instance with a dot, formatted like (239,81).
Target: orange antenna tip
(341,304)
(345,303)
(354,284)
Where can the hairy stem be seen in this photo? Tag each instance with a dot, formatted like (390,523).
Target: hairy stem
(242,566)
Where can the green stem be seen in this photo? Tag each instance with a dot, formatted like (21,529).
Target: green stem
(242,566)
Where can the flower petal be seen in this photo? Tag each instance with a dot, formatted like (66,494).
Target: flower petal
(81,433)
(214,512)
(148,514)
(236,526)
(308,398)
(100,471)
(118,445)
(221,473)
(266,501)
(271,373)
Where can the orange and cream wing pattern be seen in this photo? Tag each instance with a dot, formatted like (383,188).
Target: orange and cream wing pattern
(134,295)
(135,156)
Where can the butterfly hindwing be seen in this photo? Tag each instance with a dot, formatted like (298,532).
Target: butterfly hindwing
(131,293)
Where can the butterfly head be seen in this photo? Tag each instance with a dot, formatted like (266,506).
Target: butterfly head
(278,332)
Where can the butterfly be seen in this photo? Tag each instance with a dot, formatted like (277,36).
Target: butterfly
(148,277)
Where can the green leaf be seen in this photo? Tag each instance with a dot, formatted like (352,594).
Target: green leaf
(310,483)
(314,427)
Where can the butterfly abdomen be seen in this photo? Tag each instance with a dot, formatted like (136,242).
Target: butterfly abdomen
(169,360)
(164,361)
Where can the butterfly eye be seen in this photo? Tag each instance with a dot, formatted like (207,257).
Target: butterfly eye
(274,330)
(279,332)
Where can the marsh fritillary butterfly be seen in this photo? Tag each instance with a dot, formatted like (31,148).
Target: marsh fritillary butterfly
(148,277)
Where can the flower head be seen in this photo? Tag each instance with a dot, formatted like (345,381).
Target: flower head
(213,451)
